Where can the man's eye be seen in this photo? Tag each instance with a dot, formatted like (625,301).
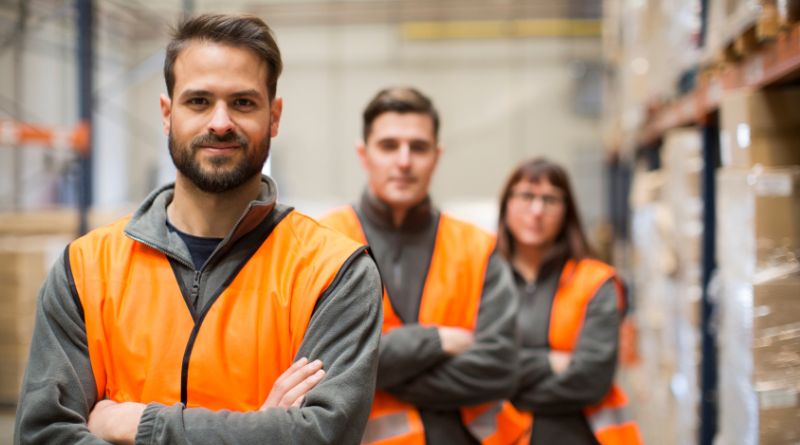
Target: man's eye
(197,101)
(243,103)
(420,147)
(387,145)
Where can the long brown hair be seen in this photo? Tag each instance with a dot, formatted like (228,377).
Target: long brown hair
(571,242)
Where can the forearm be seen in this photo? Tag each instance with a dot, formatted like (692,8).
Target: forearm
(534,366)
(486,371)
(406,352)
(591,371)
(469,379)
(176,424)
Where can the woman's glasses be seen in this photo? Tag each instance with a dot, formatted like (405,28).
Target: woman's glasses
(527,199)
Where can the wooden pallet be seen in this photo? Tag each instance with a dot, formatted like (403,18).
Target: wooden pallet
(748,42)
(775,17)
(750,28)
(769,22)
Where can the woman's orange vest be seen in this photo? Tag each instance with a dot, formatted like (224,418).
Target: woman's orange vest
(450,297)
(145,344)
(609,420)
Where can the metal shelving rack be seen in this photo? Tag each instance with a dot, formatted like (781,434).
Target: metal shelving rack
(776,62)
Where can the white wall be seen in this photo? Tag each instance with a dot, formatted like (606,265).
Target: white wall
(501,101)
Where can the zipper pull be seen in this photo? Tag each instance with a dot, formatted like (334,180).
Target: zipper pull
(195,292)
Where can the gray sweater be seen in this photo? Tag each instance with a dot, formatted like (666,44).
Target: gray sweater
(558,400)
(413,367)
(59,391)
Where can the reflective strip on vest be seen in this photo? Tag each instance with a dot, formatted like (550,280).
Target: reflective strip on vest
(485,424)
(386,427)
(609,417)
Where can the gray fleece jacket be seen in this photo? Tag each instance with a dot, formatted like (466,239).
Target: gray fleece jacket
(58,391)
(413,367)
(558,400)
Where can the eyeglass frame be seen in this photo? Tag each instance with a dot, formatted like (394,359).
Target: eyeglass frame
(549,202)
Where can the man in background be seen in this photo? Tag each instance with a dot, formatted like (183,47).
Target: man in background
(448,351)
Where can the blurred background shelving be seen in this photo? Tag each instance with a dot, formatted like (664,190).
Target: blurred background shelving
(701,130)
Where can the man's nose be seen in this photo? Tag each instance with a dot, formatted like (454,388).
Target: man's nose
(221,122)
(404,156)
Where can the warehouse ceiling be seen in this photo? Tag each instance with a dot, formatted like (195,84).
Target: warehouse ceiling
(143,19)
(393,11)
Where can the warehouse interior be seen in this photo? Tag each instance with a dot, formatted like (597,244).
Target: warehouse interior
(678,122)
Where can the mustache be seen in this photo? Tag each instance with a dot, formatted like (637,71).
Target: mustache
(404,177)
(210,138)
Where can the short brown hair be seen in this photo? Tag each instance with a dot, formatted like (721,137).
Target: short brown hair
(571,242)
(399,100)
(237,30)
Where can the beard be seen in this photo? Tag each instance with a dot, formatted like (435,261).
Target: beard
(219,177)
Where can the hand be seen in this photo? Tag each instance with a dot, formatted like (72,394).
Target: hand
(116,422)
(292,386)
(455,340)
(559,360)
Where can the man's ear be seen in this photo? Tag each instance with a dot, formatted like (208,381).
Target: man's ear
(275,111)
(361,151)
(166,112)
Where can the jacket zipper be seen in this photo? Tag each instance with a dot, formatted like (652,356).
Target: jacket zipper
(194,293)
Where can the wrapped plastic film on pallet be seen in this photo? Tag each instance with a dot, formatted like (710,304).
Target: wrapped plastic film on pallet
(776,303)
(759,274)
(733,294)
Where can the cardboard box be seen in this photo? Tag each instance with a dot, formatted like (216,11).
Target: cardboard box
(776,331)
(777,216)
(779,426)
(58,221)
(776,358)
(760,128)
(24,264)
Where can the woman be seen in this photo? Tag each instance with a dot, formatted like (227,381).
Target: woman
(570,313)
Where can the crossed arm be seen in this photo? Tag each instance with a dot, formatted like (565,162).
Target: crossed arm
(447,368)
(118,422)
(59,403)
(554,382)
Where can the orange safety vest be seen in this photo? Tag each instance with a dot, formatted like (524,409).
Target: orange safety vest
(450,297)
(609,420)
(146,345)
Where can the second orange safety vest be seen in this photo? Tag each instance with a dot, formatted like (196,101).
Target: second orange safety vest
(147,345)
(579,282)
(450,297)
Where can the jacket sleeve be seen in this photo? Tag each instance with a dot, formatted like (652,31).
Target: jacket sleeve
(406,352)
(344,333)
(534,366)
(58,390)
(486,371)
(591,371)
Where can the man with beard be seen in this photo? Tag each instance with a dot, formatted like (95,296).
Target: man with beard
(213,314)
(448,353)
